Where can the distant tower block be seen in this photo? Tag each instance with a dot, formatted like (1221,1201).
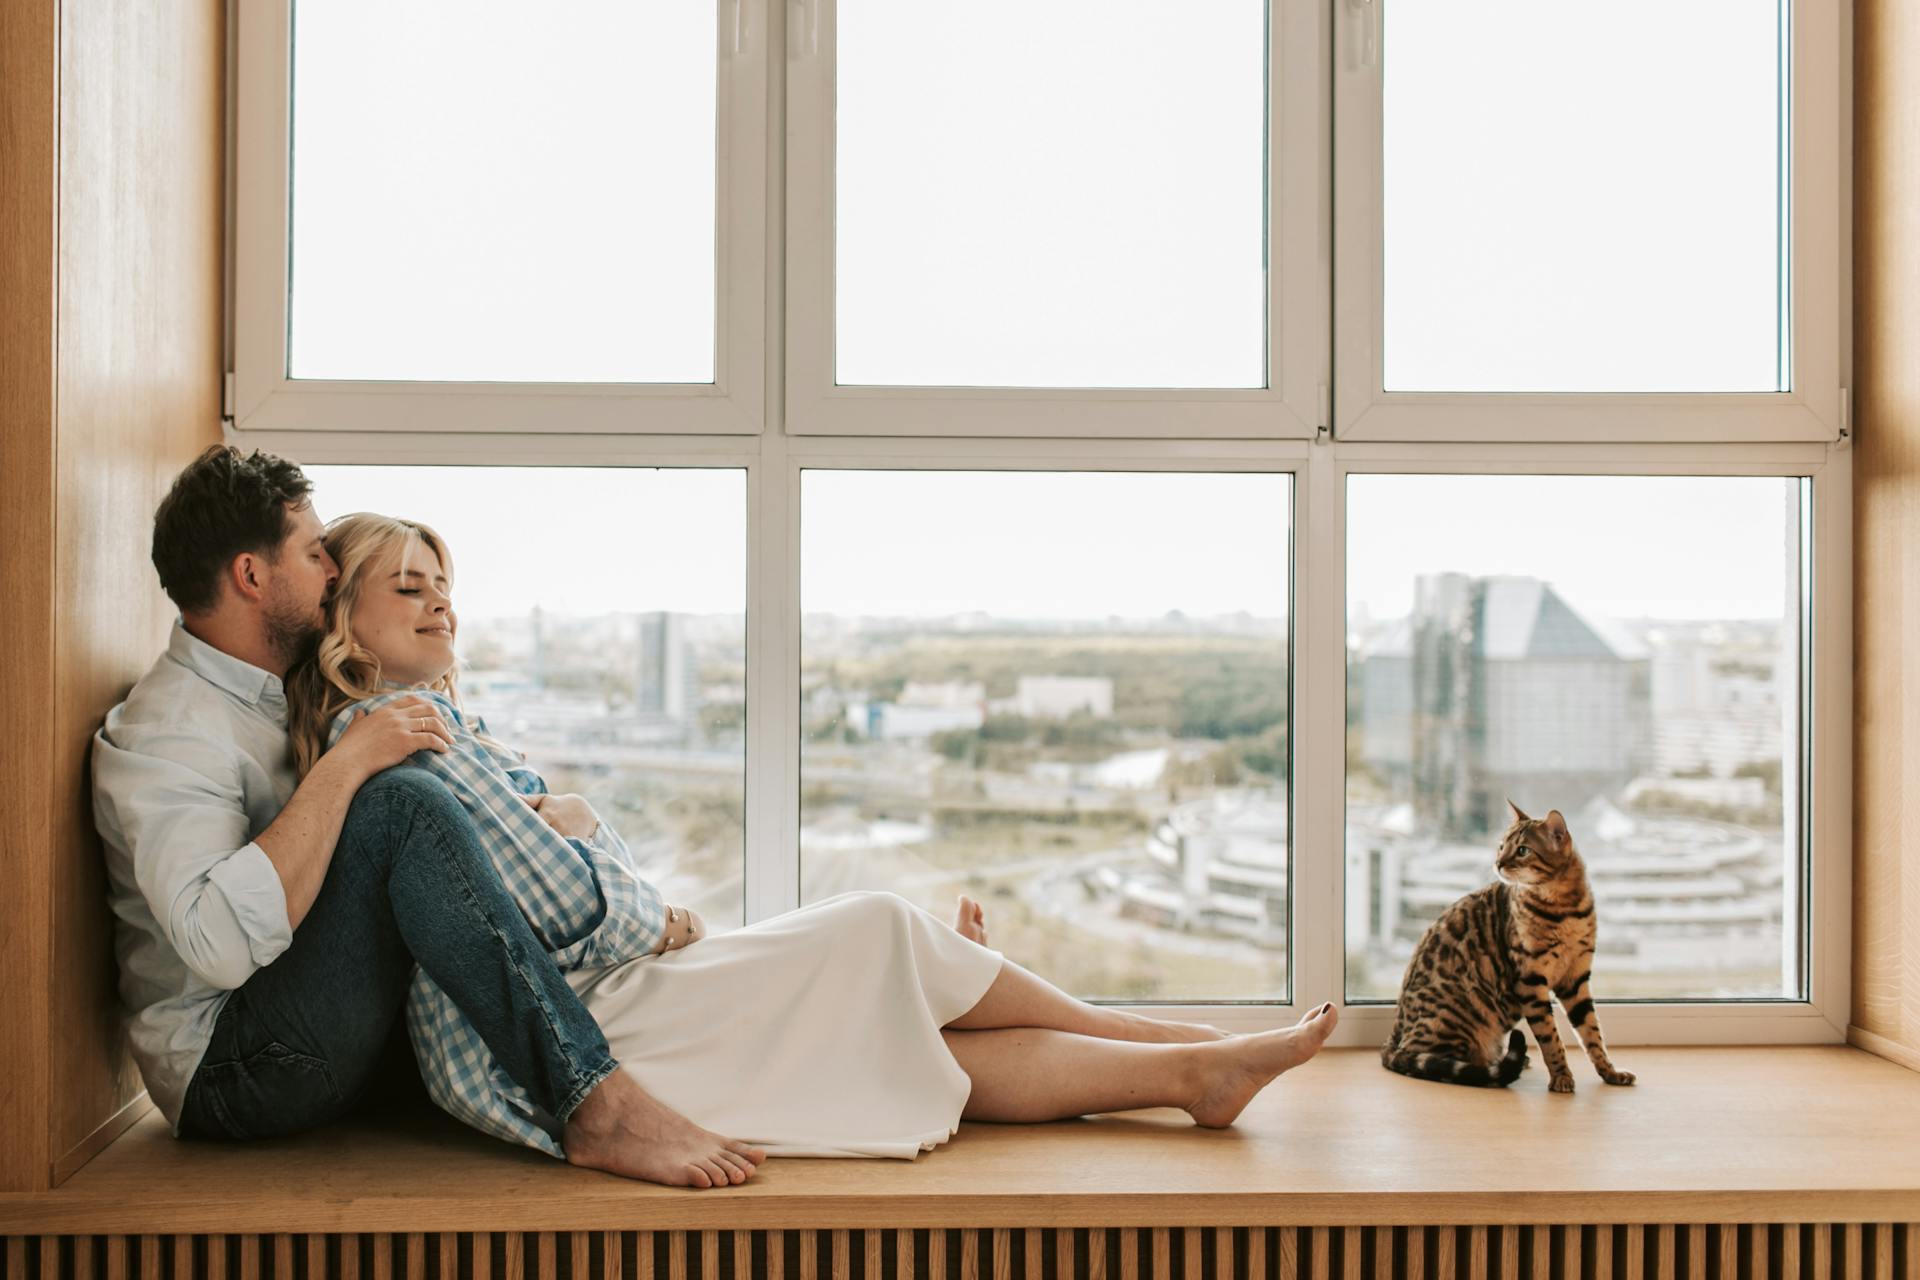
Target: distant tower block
(666,680)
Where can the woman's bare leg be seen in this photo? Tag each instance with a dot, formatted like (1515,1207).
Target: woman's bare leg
(1024,1075)
(1020,998)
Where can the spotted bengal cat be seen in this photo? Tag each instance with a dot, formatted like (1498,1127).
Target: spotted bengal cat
(1493,957)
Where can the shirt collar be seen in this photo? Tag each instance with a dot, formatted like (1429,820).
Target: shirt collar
(243,680)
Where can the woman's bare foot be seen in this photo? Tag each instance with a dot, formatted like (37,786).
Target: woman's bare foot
(971,921)
(1144,1030)
(1235,1069)
(623,1129)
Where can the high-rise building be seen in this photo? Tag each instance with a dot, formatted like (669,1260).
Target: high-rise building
(1497,688)
(666,675)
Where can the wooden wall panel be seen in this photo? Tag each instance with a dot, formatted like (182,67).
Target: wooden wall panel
(1886,878)
(29,140)
(141,213)
(110,272)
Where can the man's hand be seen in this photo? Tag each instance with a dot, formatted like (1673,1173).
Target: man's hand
(570,815)
(684,928)
(379,739)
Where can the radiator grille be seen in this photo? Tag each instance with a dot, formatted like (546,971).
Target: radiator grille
(1847,1251)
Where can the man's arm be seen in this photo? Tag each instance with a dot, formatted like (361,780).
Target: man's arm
(300,842)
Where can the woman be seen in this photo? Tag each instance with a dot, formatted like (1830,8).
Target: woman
(856,1026)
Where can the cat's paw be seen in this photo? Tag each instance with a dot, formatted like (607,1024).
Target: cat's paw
(1617,1077)
(1561,1083)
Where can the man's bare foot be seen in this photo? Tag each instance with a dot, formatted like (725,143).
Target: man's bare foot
(623,1129)
(1234,1070)
(971,921)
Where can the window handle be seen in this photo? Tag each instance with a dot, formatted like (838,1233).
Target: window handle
(741,19)
(803,29)
(1364,25)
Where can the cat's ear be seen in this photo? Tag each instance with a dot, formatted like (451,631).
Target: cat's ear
(1557,827)
(1517,815)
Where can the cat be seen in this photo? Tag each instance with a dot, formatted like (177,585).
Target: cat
(1498,955)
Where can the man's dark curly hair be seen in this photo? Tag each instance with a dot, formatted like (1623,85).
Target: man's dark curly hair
(221,505)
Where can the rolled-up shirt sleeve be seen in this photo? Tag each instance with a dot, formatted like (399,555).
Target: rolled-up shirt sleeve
(213,891)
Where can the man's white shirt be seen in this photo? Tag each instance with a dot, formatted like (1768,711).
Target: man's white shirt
(187,771)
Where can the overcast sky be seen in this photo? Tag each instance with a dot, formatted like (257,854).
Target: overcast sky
(1078,545)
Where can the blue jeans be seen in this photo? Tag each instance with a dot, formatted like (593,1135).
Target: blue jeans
(409,883)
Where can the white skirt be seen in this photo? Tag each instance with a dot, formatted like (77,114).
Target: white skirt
(816,1033)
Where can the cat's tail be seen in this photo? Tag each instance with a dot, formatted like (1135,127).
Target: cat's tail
(1427,1065)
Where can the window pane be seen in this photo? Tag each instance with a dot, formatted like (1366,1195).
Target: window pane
(606,640)
(1066,695)
(1627,650)
(1584,197)
(1080,205)
(502,193)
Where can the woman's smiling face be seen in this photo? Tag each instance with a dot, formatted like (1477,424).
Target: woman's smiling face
(405,615)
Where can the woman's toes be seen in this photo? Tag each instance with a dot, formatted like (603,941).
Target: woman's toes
(753,1154)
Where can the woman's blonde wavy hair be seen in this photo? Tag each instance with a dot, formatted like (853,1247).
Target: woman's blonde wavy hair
(341,672)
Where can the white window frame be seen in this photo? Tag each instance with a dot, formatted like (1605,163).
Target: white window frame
(1813,409)
(1292,405)
(261,397)
(334,432)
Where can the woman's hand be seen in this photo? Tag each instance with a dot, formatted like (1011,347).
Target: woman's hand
(570,815)
(377,740)
(684,928)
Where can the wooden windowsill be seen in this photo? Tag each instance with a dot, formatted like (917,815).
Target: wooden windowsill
(1709,1135)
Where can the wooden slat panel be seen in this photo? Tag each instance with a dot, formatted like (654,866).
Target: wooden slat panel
(903,1242)
(1162,1259)
(1728,1264)
(1322,1249)
(874,1264)
(1192,1256)
(216,1258)
(677,1256)
(969,1256)
(1850,1247)
(1571,1250)
(416,1256)
(83,1258)
(1542,1261)
(482,1244)
(709,1255)
(283,1256)
(1790,1252)
(743,1257)
(1759,1262)
(1477,1253)
(382,1255)
(776,1255)
(1696,1251)
(1635,1247)
(1223,1259)
(1096,1255)
(1063,1259)
(1665,1253)
(1351,1254)
(1256,1253)
(449,1257)
(118,1248)
(1443,1266)
(937,1254)
(1822,1251)
(152,1264)
(1417,1252)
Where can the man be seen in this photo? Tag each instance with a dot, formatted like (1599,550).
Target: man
(267,927)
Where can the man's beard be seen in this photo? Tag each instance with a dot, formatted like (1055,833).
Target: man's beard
(292,632)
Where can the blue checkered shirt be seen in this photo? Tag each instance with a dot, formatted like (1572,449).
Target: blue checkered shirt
(585,901)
